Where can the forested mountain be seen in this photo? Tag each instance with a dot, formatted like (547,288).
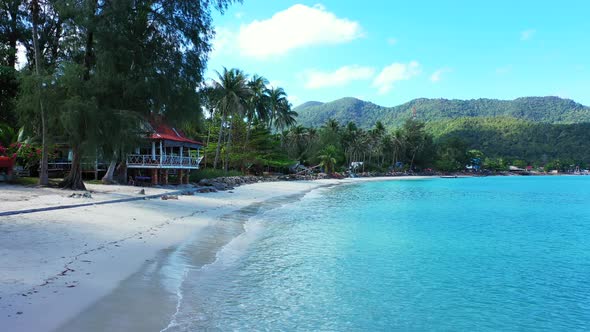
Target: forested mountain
(366,114)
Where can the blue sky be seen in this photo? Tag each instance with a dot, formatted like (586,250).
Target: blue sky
(390,52)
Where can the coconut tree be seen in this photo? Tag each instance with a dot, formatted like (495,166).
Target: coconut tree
(285,117)
(257,109)
(348,137)
(230,95)
(328,158)
(298,140)
(399,146)
(415,138)
(277,99)
(208,105)
(332,124)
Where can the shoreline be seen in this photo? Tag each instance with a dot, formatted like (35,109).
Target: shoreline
(161,280)
(58,263)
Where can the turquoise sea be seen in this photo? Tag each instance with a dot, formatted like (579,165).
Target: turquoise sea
(466,254)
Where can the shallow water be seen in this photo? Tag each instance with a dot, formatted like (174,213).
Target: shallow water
(443,254)
(496,253)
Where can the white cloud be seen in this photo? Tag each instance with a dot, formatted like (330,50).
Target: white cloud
(342,76)
(392,41)
(296,27)
(393,73)
(437,75)
(527,34)
(223,41)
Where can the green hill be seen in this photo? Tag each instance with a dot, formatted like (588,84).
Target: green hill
(538,109)
(517,139)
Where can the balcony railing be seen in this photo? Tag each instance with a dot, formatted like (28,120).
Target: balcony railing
(66,165)
(146,161)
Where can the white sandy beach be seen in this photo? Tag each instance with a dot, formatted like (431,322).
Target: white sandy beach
(54,264)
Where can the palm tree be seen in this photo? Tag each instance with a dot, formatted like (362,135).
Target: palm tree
(285,117)
(281,115)
(299,139)
(312,135)
(328,158)
(377,135)
(348,137)
(332,124)
(399,146)
(208,100)
(257,103)
(231,93)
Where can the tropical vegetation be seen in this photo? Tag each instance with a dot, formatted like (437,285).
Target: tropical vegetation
(95,68)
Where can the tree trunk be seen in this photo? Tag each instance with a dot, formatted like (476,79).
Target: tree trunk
(218,147)
(208,139)
(248,134)
(121,172)
(412,161)
(43,174)
(74,179)
(227,148)
(13,34)
(108,177)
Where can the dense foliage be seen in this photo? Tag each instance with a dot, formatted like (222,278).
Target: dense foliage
(96,68)
(491,144)
(510,138)
(244,115)
(336,148)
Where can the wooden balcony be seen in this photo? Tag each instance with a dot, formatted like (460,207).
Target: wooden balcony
(164,162)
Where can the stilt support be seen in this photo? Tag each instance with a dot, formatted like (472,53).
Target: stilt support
(154,176)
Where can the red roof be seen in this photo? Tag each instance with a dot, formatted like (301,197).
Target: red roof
(165,132)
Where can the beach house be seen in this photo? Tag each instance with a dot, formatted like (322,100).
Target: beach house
(168,153)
